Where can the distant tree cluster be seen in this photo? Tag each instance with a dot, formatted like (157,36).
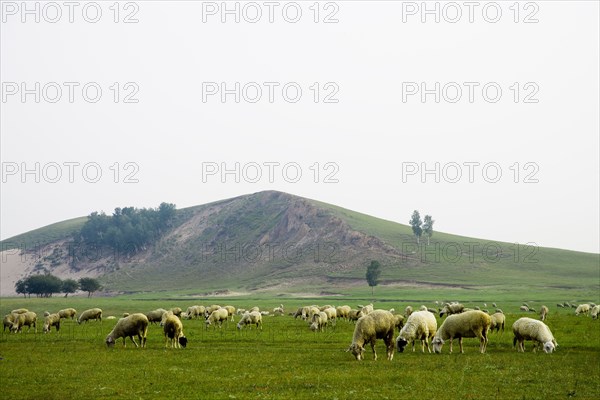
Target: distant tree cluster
(420,227)
(129,229)
(47,284)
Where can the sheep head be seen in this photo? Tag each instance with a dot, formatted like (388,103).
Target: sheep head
(549,347)
(357,350)
(401,344)
(110,342)
(183,341)
(437,343)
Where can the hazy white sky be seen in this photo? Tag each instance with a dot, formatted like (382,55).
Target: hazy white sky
(487,119)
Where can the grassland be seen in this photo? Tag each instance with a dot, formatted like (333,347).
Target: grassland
(285,360)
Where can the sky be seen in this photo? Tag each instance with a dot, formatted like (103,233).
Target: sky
(483,115)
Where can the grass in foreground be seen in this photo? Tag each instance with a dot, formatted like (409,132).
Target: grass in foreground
(284,360)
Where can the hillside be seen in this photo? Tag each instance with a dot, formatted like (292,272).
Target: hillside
(276,242)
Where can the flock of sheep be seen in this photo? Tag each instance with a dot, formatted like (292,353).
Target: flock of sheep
(370,324)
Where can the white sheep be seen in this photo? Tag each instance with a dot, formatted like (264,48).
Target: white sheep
(331,314)
(543,313)
(582,309)
(176,311)
(524,308)
(173,330)
(468,324)
(155,315)
(452,308)
(398,321)
(230,311)
(50,321)
(133,325)
(28,318)
(68,313)
(595,312)
(378,324)
(193,312)
(250,318)
(91,314)
(423,307)
(498,321)
(278,310)
(537,331)
(354,315)
(319,321)
(217,317)
(8,321)
(407,311)
(343,312)
(420,325)
(367,309)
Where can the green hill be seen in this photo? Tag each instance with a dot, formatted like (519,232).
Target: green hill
(278,243)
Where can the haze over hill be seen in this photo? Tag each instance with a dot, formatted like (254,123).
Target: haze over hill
(273,241)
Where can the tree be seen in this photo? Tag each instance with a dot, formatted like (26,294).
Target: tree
(69,286)
(428,227)
(89,285)
(373,272)
(415,222)
(21,287)
(43,285)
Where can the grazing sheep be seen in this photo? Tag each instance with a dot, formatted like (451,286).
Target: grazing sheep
(498,321)
(331,314)
(279,310)
(407,311)
(595,311)
(209,310)
(27,318)
(312,311)
(573,305)
(250,318)
(423,308)
(566,304)
(91,314)
(8,321)
(176,311)
(230,312)
(469,324)
(299,313)
(133,325)
(50,321)
(125,314)
(46,313)
(367,309)
(420,325)
(68,313)
(319,321)
(173,330)
(343,312)
(524,308)
(155,315)
(559,305)
(476,308)
(582,309)
(543,313)
(454,308)
(194,312)
(354,315)
(217,317)
(19,311)
(499,310)
(323,308)
(257,309)
(531,309)
(532,329)
(378,324)
(392,310)
(433,311)
(265,313)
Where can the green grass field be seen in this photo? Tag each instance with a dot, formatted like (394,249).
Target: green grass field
(285,360)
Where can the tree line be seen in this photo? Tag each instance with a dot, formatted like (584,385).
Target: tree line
(47,284)
(129,229)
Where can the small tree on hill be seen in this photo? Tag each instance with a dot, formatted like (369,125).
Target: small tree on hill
(428,227)
(89,285)
(373,272)
(21,287)
(415,223)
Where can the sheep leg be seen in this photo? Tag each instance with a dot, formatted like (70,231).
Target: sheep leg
(451,340)
(460,345)
(133,340)
(373,347)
